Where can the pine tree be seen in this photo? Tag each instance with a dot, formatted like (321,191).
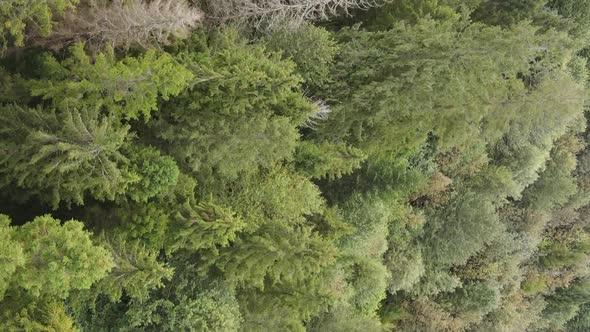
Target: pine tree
(128,88)
(157,173)
(136,270)
(62,156)
(327,160)
(241,113)
(124,23)
(276,253)
(20,16)
(457,81)
(11,254)
(203,227)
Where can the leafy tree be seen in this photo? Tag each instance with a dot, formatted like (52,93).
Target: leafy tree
(475,297)
(128,88)
(553,109)
(342,319)
(287,305)
(555,184)
(277,194)
(509,12)
(565,303)
(386,16)
(63,155)
(581,322)
(145,222)
(578,15)
(186,302)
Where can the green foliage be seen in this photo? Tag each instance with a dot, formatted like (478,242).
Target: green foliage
(581,322)
(22,313)
(128,88)
(276,253)
(460,230)
(240,115)
(386,17)
(146,223)
(202,227)
(327,160)
(553,109)
(157,173)
(12,255)
(565,303)
(136,270)
(275,195)
(577,13)
(555,184)
(508,12)
(470,73)
(480,298)
(20,16)
(58,258)
(342,319)
(63,155)
(186,303)
(311,48)
(425,169)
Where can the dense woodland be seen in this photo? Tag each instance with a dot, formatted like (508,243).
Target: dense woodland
(294,165)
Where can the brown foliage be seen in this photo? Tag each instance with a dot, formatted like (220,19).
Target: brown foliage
(124,23)
(271,14)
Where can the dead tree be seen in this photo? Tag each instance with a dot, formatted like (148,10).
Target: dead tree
(272,14)
(124,23)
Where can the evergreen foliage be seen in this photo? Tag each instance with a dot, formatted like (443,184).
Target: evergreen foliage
(418,166)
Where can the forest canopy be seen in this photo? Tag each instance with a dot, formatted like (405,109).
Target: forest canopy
(295,165)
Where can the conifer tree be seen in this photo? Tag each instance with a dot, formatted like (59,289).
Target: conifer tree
(241,113)
(19,17)
(136,270)
(327,160)
(63,155)
(125,23)
(58,258)
(25,313)
(128,88)
(276,253)
(11,254)
(203,227)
